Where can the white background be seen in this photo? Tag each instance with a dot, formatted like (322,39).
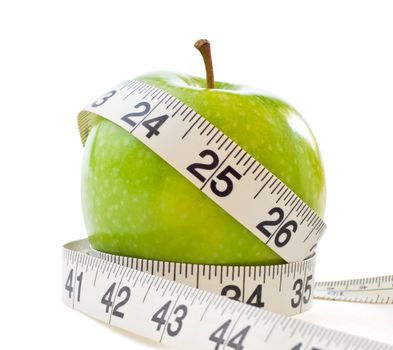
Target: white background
(332,60)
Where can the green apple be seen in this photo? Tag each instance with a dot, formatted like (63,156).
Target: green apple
(135,204)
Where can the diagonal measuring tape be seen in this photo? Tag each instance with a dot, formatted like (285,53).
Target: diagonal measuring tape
(189,143)
(171,302)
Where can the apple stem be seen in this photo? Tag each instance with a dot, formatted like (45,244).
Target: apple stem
(203,46)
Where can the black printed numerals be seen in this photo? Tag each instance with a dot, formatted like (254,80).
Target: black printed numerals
(283,234)
(225,177)
(173,328)
(104,98)
(234,292)
(142,108)
(152,124)
(236,342)
(300,294)
(69,286)
(108,299)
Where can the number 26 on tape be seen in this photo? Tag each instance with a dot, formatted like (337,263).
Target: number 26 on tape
(283,233)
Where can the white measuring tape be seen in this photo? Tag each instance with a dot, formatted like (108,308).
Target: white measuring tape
(184,139)
(277,288)
(107,288)
(110,287)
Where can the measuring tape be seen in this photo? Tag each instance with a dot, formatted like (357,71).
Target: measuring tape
(107,288)
(286,288)
(171,302)
(184,139)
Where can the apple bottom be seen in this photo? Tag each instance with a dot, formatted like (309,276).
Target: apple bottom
(136,204)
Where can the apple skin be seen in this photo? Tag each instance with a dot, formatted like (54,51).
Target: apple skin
(135,204)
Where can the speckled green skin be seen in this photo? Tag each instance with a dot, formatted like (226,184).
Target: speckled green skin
(135,204)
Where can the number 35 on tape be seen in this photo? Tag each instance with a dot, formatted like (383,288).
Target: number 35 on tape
(118,291)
